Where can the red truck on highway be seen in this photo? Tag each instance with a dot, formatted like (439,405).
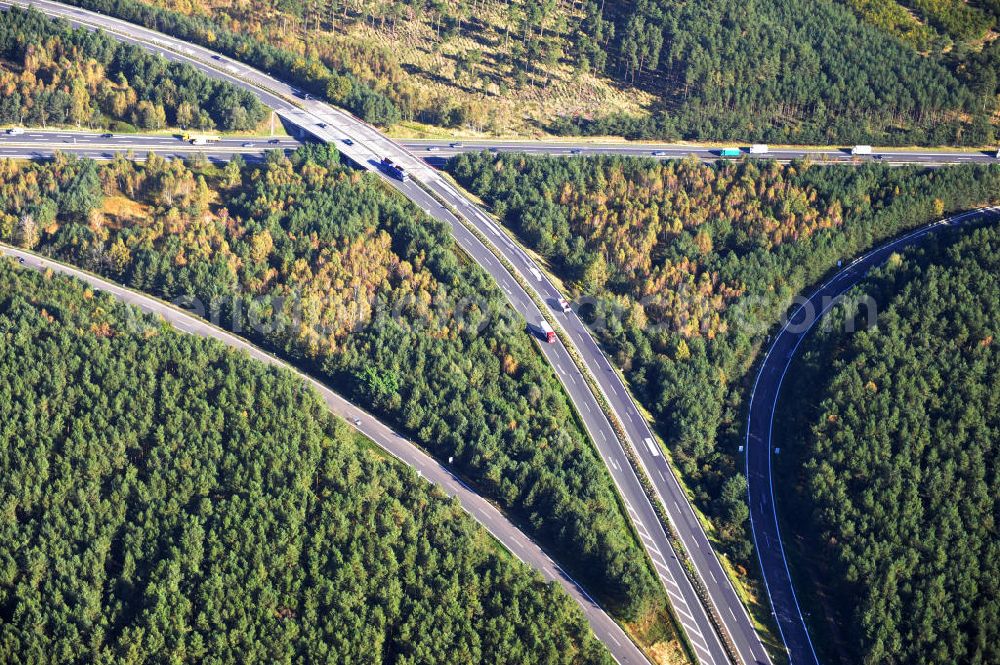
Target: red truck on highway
(544,330)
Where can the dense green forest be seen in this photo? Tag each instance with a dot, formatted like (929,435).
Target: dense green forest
(167,499)
(51,74)
(803,71)
(687,266)
(892,438)
(362,288)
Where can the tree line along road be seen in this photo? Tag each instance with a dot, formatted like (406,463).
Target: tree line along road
(533,295)
(427,189)
(763,403)
(604,627)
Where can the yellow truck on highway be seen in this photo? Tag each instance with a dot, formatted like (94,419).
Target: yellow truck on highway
(199,139)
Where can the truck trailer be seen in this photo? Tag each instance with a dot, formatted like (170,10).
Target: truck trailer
(861,150)
(200,139)
(759,149)
(729,152)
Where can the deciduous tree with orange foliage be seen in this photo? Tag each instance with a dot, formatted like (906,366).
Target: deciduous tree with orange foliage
(692,264)
(361,287)
(51,74)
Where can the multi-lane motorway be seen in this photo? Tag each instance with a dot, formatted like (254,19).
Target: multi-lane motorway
(365,146)
(40,144)
(484,512)
(759,447)
(35,143)
(436,149)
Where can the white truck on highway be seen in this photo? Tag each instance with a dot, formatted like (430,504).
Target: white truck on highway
(15,131)
(759,149)
(200,139)
(861,150)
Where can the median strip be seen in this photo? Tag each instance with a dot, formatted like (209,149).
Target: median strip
(612,418)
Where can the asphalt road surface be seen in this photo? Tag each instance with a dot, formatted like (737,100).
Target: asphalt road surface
(35,143)
(41,143)
(437,150)
(605,628)
(654,538)
(365,146)
(759,446)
